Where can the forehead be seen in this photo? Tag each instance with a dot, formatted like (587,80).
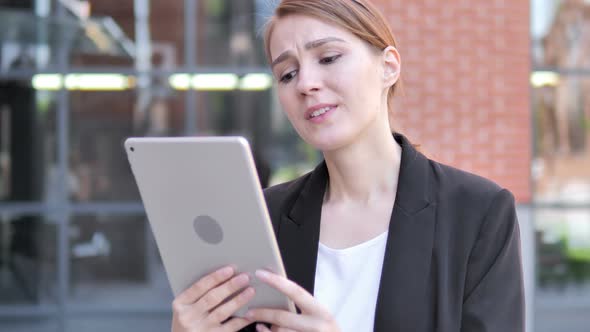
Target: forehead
(294,31)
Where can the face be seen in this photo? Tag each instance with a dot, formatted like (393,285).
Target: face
(331,84)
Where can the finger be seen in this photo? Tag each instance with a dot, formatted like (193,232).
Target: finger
(263,328)
(282,318)
(296,293)
(281,329)
(217,295)
(203,285)
(275,328)
(235,324)
(226,310)
(200,310)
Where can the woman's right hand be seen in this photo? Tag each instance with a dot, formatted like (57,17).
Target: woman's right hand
(199,307)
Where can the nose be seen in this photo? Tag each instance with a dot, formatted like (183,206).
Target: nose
(308,81)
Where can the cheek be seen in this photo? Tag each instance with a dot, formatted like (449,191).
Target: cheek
(354,78)
(288,103)
(368,83)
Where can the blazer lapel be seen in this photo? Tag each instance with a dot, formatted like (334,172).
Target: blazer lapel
(299,230)
(403,290)
(402,300)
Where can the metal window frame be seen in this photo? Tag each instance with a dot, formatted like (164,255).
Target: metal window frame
(534,206)
(63,210)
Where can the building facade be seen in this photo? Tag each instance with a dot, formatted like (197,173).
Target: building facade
(493,87)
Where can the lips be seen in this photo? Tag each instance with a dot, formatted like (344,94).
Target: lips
(318,110)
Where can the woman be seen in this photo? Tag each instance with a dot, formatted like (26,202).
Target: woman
(384,238)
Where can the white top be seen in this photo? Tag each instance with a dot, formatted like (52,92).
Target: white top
(347,282)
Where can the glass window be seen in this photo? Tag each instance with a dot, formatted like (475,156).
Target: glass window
(563,269)
(562,141)
(114,259)
(159,322)
(30,324)
(561,33)
(28,260)
(100,123)
(227,33)
(166,28)
(27,141)
(560,80)
(33,36)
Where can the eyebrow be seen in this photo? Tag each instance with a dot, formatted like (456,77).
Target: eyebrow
(308,46)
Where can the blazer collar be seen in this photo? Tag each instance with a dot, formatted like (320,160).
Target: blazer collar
(311,197)
(412,191)
(406,264)
(299,230)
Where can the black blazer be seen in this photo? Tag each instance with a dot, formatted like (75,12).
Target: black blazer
(452,259)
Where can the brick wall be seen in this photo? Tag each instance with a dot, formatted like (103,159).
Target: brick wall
(465,97)
(465,74)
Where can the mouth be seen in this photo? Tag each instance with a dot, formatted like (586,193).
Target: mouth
(318,111)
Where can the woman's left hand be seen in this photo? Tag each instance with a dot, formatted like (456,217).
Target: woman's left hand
(313,317)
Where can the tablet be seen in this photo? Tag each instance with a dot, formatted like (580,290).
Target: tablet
(206,209)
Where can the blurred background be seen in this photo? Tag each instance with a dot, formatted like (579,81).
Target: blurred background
(500,88)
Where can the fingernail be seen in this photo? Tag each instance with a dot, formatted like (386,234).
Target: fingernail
(227,271)
(242,278)
(262,274)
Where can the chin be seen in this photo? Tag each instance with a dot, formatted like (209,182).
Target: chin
(326,143)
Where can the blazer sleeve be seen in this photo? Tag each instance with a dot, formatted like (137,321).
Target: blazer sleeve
(494,289)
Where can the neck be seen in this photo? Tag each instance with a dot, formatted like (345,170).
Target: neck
(365,170)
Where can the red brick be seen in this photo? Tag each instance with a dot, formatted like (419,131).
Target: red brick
(466,74)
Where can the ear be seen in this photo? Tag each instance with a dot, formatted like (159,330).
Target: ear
(391,65)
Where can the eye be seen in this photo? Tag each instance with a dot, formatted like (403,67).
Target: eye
(330,59)
(288,77)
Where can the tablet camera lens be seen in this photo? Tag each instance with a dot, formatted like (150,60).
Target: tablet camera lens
(132,149)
